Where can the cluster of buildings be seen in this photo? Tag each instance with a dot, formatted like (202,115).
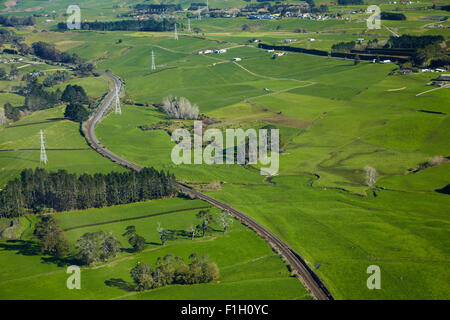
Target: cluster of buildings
(208,51)
(12,60)
(264,16)
(312,16)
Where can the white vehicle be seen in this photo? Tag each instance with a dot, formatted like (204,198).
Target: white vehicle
(237,59)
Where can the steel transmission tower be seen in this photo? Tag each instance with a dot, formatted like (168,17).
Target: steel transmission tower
(43,153)
(176,33)
(118,109)
(153,61)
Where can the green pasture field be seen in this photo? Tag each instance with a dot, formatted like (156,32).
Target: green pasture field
(59,134)
(346,117)
(248,267)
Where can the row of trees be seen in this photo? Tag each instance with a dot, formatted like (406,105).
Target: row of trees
(48,51)
(126,25)
(63,191)
(392,16)
(38,98)
(344,46)
(15,21)
(414,42)
(207,223)
(172,269)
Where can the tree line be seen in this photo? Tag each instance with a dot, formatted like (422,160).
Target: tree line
(14,21)
(49,52)
(38,98)
(126,25)
(40,190)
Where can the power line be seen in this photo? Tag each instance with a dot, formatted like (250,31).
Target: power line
(43,159)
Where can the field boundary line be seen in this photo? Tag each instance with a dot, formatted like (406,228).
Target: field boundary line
(134,218)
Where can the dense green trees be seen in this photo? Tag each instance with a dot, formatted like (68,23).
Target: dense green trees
(127,25)
(11,112)
(15,21)
(52,238)
(414,42)
(49,52)
(135,240)
(37,98)
(63,191)
(97,246)
(74,94)
(76,112)
(392,16)
(2,74)
(344,46)
(171,269)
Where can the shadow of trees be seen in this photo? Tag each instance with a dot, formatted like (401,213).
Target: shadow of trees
(32,248)
(121,284)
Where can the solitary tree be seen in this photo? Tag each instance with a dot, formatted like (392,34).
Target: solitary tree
(225,220)
(207,219)
(192,231)
(135,240)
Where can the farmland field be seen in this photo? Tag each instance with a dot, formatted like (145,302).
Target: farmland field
(336,117)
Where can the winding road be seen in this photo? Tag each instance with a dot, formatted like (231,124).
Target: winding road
(309,279)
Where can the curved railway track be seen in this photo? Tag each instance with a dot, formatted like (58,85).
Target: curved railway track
(309,279)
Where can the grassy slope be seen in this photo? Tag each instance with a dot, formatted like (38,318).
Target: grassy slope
(353,132)
(247,264)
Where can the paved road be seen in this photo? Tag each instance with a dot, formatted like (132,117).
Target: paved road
(309,279)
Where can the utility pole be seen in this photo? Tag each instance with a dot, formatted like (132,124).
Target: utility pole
(153,61)
(189,25)
(118,109)
(44,159)
(176,33)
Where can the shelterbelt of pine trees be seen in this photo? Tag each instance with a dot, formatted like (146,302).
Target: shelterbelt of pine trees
(62,191)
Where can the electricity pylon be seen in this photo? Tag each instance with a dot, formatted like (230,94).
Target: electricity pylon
(176,33)
(118,109)
(153,61)
(43,153)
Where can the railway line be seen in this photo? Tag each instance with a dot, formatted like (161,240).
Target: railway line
(310,280)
